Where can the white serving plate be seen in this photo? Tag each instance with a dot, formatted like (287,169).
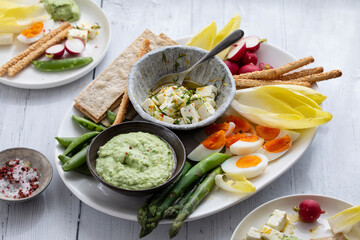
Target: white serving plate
(31,78)
(107,201)
(302,230)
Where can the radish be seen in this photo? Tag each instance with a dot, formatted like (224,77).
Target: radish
(234,68)
(248,58)
(237,51)
(74,46)
(249,68)
(253,43)
(56,51)
(265,66)
(309,210)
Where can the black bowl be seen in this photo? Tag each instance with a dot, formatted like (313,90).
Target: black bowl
(135,126)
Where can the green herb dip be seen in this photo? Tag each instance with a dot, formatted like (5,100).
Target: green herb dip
(62,10)
(135,161)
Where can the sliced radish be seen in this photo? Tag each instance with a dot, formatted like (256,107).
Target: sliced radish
(234,68)
(237,51)
(74,46)
(253,43)
(249,68)
(56,51)
(248,58)
(265,66)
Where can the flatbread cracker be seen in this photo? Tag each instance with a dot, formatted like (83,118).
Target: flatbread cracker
(110,85)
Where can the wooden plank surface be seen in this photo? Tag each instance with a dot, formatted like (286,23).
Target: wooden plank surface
(326,30)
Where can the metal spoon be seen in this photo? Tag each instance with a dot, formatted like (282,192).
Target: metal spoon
(228,41)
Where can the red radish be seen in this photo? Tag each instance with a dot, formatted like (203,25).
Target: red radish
(309,210)
(253,43)
(237,51)
(74,46)
(56,51)
(248,58)
(249,68)
(234,68)
(265,66)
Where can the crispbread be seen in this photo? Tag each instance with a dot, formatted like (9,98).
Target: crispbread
(167,39)
(101,94)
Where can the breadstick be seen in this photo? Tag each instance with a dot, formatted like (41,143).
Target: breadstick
(32,48)
(245,83)
(24,62)
(145,48)
(302,73)
(320,76)
(273,73)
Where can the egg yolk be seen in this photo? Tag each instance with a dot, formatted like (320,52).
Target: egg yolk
(213,128)
(34,30)
(248,161)
(240,124)
(278,145)
(240,136)
(215,141)
(267,133)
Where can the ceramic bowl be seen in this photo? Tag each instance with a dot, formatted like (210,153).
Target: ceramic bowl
(37,160)
(135,126)
(151,67)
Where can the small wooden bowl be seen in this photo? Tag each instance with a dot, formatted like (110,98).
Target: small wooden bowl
(37,160)
(135,126)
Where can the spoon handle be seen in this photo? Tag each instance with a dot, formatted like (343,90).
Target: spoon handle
(228,41)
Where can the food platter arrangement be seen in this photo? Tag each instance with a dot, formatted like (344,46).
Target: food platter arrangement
(194,143)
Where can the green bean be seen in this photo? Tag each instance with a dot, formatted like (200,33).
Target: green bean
(77,160)
(62,64)
(111,116)
(88,124)
(79,142)
(65,141)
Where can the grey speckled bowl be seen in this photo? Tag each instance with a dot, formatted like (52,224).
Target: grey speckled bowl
(37,160)
(148,70)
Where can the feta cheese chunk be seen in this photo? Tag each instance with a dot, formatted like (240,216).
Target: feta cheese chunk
(189,114)
(168,119)
(253,234)
(197,100)
(149,106)
(76,33)
(165,94)
(6,38)
(268,233)
(207,91)
(170,106)
(90,28)
(211,101)
(206,110)
(277,220)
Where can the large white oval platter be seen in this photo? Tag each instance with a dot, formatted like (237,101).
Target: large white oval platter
(302,230)
(31,78)
(107,201)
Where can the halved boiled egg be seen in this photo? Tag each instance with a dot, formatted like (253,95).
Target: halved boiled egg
(249,166)
(236,184)
(243,143)
(35,32)
(268,133)
(275,148)
(212,144)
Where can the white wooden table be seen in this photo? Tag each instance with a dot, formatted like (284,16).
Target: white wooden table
(327,30)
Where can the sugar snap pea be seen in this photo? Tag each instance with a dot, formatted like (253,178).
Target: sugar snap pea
(65,141)
(88,124)
(111,116)
(79,142)
(77,160)
(63,159)
(62,64)
(81,169)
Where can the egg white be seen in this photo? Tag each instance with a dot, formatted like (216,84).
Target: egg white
(292,134)
(229,166)
(271,155)
(242,147)
(200,152)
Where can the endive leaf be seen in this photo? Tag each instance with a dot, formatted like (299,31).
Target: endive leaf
(309,92)
(345,220)
(205,38)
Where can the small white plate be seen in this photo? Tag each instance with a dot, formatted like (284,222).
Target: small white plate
(31,78)
(302,230)
(107,201)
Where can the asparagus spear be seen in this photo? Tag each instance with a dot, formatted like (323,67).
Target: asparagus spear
(173,210)
(153,201)
(200,193)
(150,221)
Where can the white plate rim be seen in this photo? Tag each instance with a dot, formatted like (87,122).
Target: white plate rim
(131,217)
(286,197)
(71,79)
